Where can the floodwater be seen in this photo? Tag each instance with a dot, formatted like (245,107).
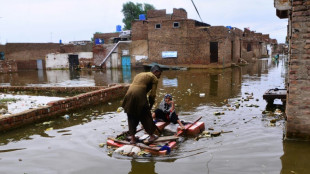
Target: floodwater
(70,144)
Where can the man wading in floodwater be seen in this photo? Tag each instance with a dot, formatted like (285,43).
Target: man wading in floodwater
(136,105)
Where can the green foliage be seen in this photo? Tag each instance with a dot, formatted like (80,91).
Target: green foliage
(132,11)
(5,100)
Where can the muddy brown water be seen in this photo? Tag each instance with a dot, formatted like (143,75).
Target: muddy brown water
(71,144)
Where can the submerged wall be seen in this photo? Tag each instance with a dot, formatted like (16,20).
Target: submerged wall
(8,66)
(56,108)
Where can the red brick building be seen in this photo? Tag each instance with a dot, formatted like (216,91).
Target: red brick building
(175,40)
(193,43)
(298,92)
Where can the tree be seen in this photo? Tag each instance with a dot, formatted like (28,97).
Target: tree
(132,11)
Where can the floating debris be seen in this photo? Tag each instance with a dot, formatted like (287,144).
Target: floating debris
(102,145)
(218,113)
(273,121)
(49,129)
(128,150)
(252,105)
(47,122)
(3,111)
(119,109)
(66,116)
(215,134)
(278,112)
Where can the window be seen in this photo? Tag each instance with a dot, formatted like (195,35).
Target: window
(176,24)
(213,52)
(157,26)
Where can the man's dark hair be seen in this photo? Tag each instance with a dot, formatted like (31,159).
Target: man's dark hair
(156,68)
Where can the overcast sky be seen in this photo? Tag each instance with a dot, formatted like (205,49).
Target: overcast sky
(42,21)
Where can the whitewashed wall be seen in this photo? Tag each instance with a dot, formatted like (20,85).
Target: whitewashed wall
(60,60)
(57,61)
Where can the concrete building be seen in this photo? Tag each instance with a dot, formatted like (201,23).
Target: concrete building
(298,87)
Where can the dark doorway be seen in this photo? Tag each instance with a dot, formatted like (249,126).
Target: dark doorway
(73,61)
(213,52)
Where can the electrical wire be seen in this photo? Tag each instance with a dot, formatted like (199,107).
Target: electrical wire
(197,10)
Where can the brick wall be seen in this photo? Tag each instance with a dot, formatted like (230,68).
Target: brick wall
(179,13)
(298,104)
(26,64)
(139,30)
(139,52)
(8,66)
(156,14)
(2,48)
(100,52)
(57,108)
(191,42)
(57,90)
(70,48)
(29,51)
(107,37)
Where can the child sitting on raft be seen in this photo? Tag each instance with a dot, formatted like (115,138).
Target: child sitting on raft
(166,112)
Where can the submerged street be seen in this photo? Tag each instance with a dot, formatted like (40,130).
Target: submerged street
(228,100)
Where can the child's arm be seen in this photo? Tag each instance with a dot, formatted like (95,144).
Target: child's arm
(172,106)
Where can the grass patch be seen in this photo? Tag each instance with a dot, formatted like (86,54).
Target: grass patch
(5,100)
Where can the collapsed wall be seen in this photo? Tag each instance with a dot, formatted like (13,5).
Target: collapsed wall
(56,108)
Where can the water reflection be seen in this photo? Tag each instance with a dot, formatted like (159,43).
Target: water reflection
(213,85)
(170,82)
(41,76)
(126,74)
(142,167)
(185,86)
(296,157)
(74,74)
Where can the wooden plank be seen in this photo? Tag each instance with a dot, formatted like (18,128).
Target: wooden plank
(272,94)
(165,138)
(138,144)
(180,132)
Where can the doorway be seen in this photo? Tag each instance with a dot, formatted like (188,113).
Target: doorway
(73,61)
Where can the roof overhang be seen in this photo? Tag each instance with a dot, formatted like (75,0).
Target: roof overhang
(282,8)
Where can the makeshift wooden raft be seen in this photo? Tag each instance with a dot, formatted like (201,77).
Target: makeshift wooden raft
(170,142)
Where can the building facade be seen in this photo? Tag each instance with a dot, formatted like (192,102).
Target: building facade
(298,87)
(175,40)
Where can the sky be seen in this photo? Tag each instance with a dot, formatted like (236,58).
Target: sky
(43,21)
